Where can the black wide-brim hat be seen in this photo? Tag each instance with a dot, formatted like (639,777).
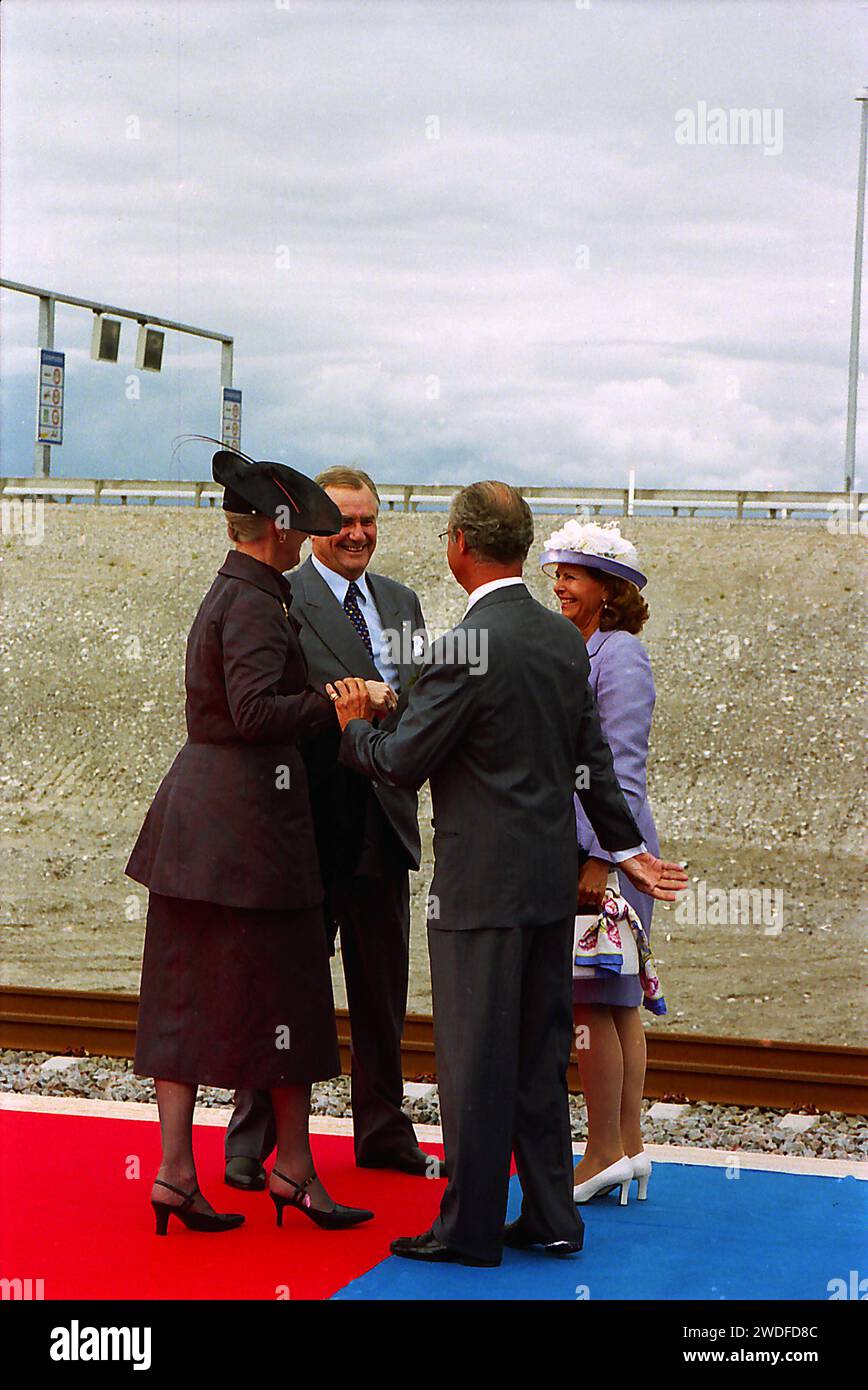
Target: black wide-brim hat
(260,487)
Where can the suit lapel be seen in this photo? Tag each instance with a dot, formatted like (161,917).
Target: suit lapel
(331,624)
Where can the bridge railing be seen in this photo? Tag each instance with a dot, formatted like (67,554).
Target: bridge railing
(410,497)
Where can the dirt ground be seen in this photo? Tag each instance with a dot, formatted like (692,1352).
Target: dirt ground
(757,770)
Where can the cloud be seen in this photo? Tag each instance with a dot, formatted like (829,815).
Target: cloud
(552,288)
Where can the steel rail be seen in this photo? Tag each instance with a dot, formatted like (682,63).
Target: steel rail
(732,1071)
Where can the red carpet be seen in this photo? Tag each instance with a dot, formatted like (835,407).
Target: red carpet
(76,1214)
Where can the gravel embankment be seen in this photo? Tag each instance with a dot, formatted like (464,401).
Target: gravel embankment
(757,639)
(701,1125)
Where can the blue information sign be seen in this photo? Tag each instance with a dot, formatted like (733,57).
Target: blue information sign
(49,405)
(230,417)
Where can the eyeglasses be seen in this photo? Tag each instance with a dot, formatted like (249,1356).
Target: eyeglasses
(444,536)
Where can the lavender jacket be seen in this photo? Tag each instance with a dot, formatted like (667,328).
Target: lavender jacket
(623,685)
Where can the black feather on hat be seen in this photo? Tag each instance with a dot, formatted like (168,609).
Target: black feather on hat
(277,491)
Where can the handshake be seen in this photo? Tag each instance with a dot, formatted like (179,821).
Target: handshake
(355,698)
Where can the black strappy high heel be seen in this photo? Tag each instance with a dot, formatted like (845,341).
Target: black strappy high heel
(338,1219)
(193,1220)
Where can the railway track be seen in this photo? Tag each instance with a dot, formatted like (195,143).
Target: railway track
(734,1071)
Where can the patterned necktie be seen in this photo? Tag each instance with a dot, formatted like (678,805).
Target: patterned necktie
(354,613)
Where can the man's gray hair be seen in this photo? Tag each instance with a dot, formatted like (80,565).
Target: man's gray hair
(496,521)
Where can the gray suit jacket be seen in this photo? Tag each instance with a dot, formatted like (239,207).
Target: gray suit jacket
(333,650)
(501,749)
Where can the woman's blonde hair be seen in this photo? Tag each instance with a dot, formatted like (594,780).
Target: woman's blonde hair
(624,609)
(244,527)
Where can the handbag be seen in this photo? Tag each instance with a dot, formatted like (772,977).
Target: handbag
(603,942)
(613,942)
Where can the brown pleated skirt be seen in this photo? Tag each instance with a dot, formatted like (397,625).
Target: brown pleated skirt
(235,997)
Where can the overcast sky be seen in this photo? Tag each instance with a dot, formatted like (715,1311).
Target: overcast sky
(556,289)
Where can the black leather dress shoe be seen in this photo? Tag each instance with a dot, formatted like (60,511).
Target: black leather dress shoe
(430,1250)
(517,1238)
(247,1174)
(416,1162)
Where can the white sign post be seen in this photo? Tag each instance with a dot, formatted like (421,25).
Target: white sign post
(49,411)
(230,417)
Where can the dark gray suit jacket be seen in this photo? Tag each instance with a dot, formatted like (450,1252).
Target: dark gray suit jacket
(501,750)
(333,650)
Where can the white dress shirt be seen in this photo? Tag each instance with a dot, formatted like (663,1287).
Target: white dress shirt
(482,589)
(368,608)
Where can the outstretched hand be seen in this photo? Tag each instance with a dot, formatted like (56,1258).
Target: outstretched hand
(656,877)
(352,700)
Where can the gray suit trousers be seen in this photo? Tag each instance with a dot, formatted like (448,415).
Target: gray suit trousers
(374,917)
(503,1028)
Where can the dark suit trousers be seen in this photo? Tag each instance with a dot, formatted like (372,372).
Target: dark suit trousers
(503,1027)
(374,917)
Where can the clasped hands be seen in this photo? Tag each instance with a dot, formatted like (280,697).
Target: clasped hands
(355,698)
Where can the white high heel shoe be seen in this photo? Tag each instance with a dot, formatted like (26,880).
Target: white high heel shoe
(618,1174)
(642,1169)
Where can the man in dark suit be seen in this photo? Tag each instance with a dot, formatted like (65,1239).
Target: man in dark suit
(505,738)
(352,621)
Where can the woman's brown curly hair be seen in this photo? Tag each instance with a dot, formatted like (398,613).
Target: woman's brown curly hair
(625,609)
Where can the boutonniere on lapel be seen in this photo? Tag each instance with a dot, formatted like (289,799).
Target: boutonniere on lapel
(291,620)
(420,655)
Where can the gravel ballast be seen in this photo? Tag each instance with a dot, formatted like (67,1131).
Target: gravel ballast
(699,1125)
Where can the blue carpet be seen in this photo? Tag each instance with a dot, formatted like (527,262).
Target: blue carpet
(700,1235)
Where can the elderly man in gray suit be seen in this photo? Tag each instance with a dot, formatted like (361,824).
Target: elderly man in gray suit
(352,621)
(502,741)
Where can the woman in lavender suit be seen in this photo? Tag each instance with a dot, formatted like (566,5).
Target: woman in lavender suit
(597,583)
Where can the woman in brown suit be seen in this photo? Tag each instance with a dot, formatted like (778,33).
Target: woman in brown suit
(236,990)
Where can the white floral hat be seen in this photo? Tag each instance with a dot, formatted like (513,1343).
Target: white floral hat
(597,547)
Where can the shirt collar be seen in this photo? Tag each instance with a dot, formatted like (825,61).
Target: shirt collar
(489,588)
(596,639)
(338,584)
(239,565)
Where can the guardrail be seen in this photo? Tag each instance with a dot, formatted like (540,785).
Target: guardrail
(437,496)
(729,1071)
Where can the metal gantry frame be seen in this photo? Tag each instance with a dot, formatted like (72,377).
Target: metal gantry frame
(45,339)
